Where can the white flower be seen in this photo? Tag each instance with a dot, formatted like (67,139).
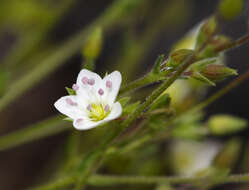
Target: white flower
(93,103)
(190,157)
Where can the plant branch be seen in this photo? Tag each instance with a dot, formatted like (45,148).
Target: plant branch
(109,180)
(234,44)
(40,130)
(141,82)
(220,93)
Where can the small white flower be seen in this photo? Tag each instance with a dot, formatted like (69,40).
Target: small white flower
(93,103)
(190,157)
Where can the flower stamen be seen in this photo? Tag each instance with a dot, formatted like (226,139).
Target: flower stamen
(91,82)
(84,80)
(101,91)
(98,112)
(108,84)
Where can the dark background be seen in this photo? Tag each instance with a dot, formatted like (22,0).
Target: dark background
(21,165)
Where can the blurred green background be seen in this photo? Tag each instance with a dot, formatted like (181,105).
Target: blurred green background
(31,30)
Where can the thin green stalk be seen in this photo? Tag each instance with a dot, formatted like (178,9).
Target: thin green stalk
(111,16)
(40,130)
(141,82)
(71,154)
(234,44)
(108,180)
(102,180)
(32,42)
(220,93)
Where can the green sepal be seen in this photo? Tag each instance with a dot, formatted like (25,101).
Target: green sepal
(200,77)
(211,49)
(178,57)
(70,91)
(207,29)
(199,65)
(68,119)
(157,66)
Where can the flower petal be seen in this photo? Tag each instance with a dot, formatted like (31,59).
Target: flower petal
(89,84)
(116,111)
(112,84)
(86,124)
(68,106)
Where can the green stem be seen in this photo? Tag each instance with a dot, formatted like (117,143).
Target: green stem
(109,180)
(33,41)
(141,82)
(40,130)
(220,93)
(234,44)
(117,180)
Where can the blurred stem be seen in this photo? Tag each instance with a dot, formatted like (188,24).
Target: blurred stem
(89,64)
(234,44)
(40,130)
(111,16)
(30,43)
(220,93)
(141,82)
(108,180)
(72,151)
(140,45)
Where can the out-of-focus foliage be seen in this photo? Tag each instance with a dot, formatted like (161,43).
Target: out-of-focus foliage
(163,129)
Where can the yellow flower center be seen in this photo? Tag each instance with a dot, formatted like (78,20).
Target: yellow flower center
(98,112)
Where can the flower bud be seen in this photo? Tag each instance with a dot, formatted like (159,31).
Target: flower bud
(226,124)
(93,45)
(215,42)
(207,29)
(220,40)
(178,57)
(209,71)
(217,72)
(229,9)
